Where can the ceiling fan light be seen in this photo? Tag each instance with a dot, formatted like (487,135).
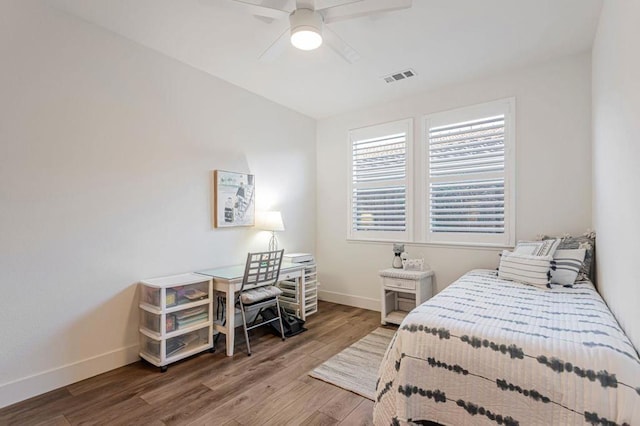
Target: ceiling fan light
(306,29)
(306,39)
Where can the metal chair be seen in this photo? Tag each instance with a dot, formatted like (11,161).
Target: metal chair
(259,289)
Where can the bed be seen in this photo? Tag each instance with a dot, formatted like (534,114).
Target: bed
(491,351)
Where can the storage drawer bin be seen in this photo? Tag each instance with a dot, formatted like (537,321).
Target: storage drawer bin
(150,296)
(175,317)
(151,321)
(150,346)
(176,295)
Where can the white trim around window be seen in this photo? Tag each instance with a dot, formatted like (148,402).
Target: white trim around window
(380,182)
(468,175)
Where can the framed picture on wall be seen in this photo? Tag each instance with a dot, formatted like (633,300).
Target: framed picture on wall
(233,199)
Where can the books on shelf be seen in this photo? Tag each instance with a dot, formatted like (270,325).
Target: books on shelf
(174,345)
(190,312)
(194,294)
(171,297)
(192,320)
(171,323)
(191,316)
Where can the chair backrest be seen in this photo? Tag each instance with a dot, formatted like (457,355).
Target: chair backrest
(262,268)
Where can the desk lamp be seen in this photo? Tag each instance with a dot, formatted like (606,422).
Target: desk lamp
(270,221)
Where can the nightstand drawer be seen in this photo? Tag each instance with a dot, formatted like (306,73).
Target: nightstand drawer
(399,283)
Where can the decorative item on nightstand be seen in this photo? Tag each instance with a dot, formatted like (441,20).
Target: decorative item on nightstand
(270,221)
(398,249)
(413,264)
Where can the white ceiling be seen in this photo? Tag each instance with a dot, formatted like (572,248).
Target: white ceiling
(444,41)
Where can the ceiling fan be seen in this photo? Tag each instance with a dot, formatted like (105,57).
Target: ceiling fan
(307,29)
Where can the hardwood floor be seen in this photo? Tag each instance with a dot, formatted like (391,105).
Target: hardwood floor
(271,387)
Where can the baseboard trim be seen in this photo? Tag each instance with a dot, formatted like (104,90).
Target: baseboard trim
(349,300)
(37,384)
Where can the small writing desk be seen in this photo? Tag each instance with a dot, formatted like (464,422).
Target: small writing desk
(228,280)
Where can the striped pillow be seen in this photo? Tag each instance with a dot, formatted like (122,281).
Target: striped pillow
(525,268)
(567,265)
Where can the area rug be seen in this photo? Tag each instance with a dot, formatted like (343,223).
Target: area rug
(356,368)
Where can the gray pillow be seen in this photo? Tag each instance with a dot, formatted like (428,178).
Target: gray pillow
(586,242)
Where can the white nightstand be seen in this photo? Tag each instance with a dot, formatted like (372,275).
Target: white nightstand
(402,291)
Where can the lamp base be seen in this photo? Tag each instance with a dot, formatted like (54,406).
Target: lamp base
(273,242)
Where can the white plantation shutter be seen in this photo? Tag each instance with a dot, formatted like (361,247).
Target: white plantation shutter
(379,193)
(469,177)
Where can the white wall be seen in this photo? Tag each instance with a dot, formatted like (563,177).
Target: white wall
(553,104)
(616,152)
(105,153)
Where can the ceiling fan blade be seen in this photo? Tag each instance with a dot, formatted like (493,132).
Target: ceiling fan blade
(364,8)
(328,4)
(277,4)
(277,47)
(339,46)
(259,10)
(305,4)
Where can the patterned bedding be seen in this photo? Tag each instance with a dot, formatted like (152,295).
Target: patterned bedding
(489,351)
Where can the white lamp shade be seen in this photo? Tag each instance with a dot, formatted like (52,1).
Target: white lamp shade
(269,221)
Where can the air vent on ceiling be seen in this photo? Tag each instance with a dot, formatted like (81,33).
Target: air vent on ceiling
(400,75)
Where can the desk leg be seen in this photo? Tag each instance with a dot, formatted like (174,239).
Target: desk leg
(231,319)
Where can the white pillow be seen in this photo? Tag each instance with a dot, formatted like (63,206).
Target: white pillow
(566,265)
(525,268)
(537,248)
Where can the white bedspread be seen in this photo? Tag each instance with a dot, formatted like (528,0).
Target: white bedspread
(489,351)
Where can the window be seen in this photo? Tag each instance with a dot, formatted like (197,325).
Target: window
(379,193)
(469,175)
(467,169)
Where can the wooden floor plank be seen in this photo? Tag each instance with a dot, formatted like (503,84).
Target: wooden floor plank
(361,416)
(106,412)
(341,405)
(319,419)
(55,421)
(252,399)
(303,405)
(213,389)
(38,409)
(270,405)
(176,409)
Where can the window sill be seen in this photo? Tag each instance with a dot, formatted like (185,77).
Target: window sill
(452,245)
